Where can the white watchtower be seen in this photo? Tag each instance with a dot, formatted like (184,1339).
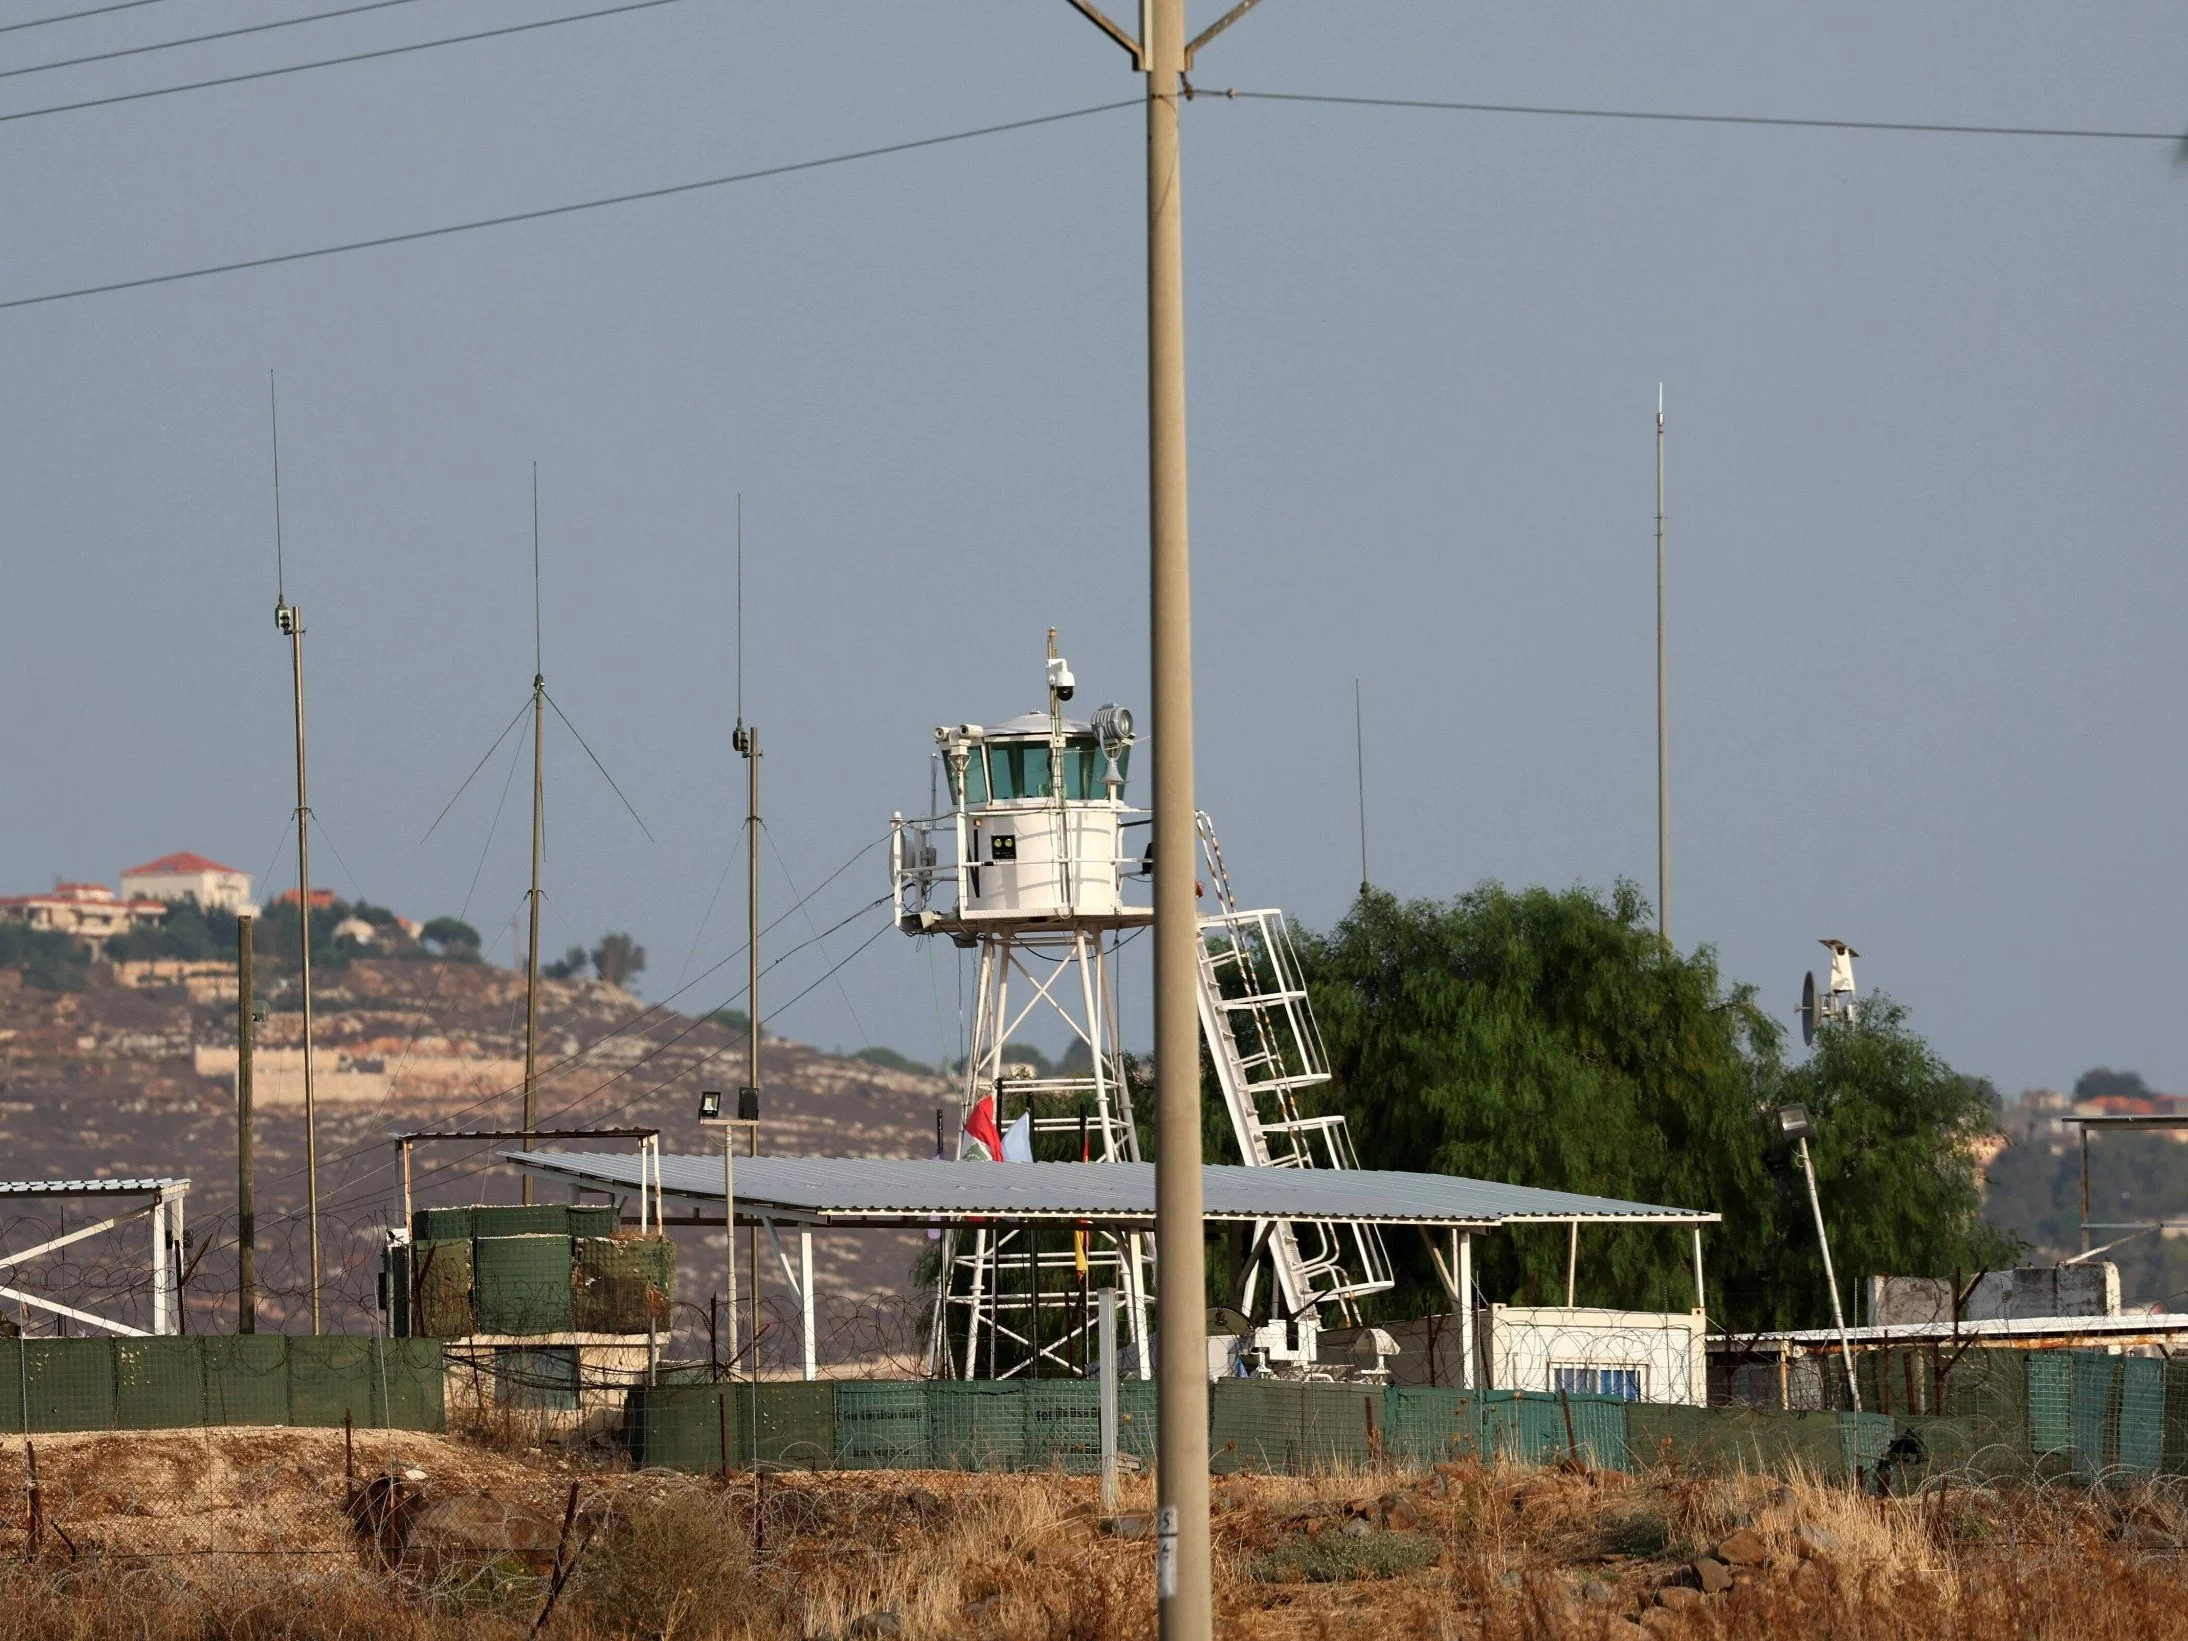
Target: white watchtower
(1032,864)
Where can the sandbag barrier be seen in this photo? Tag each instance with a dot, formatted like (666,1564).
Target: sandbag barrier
(173,1383)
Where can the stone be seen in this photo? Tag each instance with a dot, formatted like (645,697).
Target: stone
(1810,1581)
(1744,1548)
(1356,1527)
(1661,1621)
(1397,1512)
(1597,1590)
(1678,1597)
(1129,1526)
(1713,1575)
(1811,1540)
(874,1624)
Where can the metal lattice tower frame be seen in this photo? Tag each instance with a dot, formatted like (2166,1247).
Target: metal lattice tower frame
(987,1302)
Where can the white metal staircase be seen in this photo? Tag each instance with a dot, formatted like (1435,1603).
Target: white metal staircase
(1261,1034)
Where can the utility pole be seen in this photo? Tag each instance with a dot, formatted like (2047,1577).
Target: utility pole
(289,620)
(1663,710)
(1183,1574)
(539,822)
(246,1209)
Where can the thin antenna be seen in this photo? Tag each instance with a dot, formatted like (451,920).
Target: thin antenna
(740,607)
(1359,759)
(538,669)
(1663,757)
(273,411)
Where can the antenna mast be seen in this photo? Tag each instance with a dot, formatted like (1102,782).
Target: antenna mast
(1663,761)
(746,739)
(1359,764)
(289,620)
(539,819)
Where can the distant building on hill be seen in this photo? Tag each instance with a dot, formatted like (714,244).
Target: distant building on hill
(321,899)
(187,876)
(90,911)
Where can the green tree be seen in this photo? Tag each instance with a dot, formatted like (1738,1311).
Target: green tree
(1549,1038)
(566,967)
(1894,1154)
(188,931)
(452,938)
(618,958)
(49,959)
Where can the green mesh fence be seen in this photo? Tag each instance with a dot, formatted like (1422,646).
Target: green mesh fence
(1426,1425)
(700,1428)
(2051,1406)
(2095,1412)
(159,1384)
(594,1219)
(976,1424)
(247,1379)
(172,1383)
(881,1425)
(2141,1416)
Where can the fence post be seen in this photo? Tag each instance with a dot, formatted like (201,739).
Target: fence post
(1106,1343)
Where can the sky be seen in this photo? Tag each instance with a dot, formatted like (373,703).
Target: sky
(1927,505)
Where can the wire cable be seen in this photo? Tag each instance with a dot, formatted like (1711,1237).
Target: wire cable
(575,206)
(330,62)
(1922,127)
(72,16)
(201,39)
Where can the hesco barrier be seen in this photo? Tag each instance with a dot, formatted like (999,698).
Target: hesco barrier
(1254,1424)
(525,1271)
(169,1383)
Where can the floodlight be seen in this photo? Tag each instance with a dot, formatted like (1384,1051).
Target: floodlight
(710,1105)
(1794,1123)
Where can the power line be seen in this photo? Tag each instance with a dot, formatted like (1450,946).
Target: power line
(72,16)
(201,39)
(1924,127)
(330,62)
(566,210)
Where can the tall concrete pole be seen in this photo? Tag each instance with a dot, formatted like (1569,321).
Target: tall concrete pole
(1663,709)
(539,832)
(1183,1573)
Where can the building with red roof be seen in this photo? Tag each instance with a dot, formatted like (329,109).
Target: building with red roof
(187,876)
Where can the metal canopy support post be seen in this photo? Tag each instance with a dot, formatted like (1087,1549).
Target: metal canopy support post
(159,1263)
(805,1304)
(1572,1262)
(1701,1302)
(1463,1257)
(1106,1343)
(2085,1188)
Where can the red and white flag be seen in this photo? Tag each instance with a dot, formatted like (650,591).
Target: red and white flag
(980,1124)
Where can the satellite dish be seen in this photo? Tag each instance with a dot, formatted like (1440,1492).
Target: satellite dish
(1808,1009)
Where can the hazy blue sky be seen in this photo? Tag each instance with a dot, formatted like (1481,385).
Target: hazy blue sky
(1928,499)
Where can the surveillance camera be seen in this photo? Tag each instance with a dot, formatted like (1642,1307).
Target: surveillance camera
(285,619)
(1059,677)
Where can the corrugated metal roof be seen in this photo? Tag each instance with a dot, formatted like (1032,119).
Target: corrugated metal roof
(868,1190)
(87,1187)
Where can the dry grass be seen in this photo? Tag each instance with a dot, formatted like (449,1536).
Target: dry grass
(1519,1555)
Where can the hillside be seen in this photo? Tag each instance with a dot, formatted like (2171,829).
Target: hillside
(116,1080)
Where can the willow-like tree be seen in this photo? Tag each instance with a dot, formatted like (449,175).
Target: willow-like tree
(1549,1038)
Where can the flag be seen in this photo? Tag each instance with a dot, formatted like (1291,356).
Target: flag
(980,1124)
(1018,1139)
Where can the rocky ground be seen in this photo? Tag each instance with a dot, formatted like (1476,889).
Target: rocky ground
(141,1536)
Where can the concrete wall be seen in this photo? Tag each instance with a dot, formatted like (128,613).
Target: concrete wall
(2024,1293)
